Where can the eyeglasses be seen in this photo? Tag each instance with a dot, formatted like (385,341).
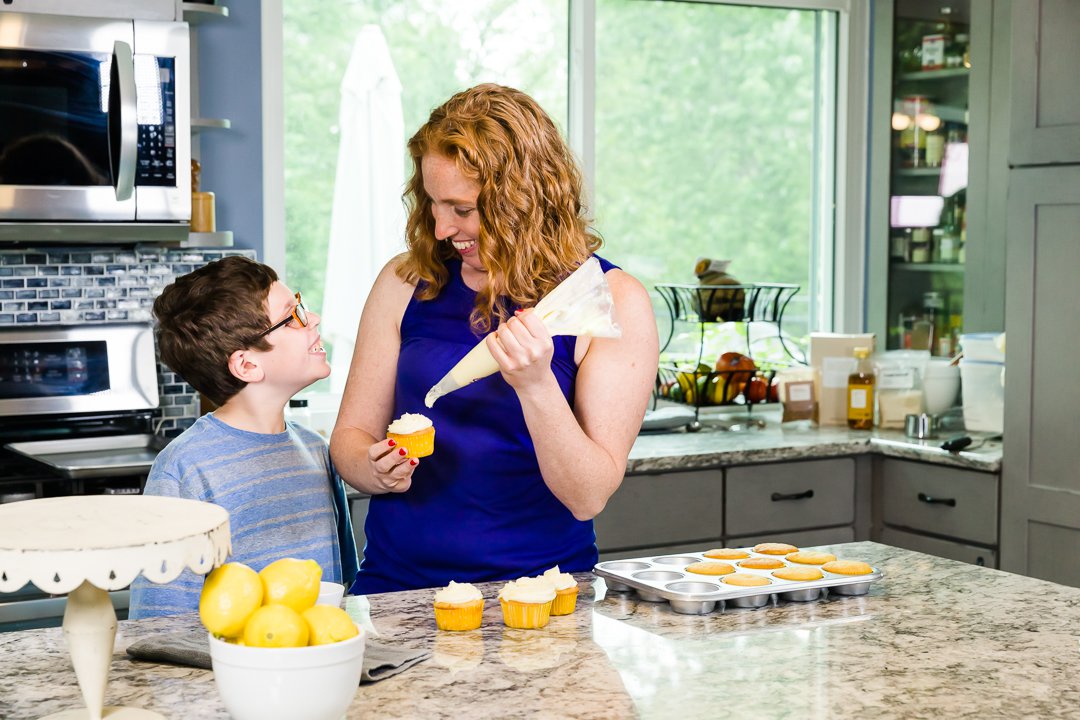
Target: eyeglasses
(299,314)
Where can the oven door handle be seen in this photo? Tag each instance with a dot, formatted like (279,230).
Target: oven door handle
(123,126)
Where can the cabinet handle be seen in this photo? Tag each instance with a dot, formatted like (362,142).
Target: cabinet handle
(777,497)
(951,502)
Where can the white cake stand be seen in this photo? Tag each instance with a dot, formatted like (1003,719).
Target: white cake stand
(87,545)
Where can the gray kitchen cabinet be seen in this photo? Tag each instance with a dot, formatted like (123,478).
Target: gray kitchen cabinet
(798,538)
(941,548)
(939,500)
(665,510)
(779,497)
(1040,523)
(358,507)
(1045,122)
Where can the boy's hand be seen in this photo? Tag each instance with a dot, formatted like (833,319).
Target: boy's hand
(391,466)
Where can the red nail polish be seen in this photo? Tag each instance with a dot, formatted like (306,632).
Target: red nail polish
(391,442)
(403,452)
(518,312)
(414,462)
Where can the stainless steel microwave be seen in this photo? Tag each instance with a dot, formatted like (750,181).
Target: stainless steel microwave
(84,369)
(95,135)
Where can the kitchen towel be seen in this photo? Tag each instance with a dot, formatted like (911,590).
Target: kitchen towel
(185,648)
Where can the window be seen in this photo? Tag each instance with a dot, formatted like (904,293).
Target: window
(715,128)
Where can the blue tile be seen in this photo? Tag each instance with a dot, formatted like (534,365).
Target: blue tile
(71,293)
(13,283)
(12,258)
(105,281)
(35,306)
(46,317)
(7,294)
(94,270)
(14,307)
(36,282)
(80,258)
(94,292)
(104,304)
(60,305)
(7,319)
(25,271)
(71,270)
(59,258)
(93,316)
(26,294)
(116,314)
(36,259)
(48,270)
(26,318)
(48,294)
(60,282)
(6,272)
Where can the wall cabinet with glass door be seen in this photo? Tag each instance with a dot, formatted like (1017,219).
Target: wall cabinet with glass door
(931,138)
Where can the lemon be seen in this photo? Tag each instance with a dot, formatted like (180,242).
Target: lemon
(328,624)
(230,594)
(276,626)
(291,582)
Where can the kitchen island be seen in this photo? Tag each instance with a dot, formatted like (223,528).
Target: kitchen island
(934,638)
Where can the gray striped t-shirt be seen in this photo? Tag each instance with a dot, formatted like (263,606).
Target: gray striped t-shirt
(276,488)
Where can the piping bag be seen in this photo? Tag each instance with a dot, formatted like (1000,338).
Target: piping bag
(579,305)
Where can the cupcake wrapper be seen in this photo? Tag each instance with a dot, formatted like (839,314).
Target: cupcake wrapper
(525,616)
(458,618)
(565,601)
(420,444)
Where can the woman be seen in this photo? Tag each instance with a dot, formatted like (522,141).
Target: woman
(524,459)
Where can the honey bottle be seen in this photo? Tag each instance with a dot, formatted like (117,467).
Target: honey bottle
(860,392)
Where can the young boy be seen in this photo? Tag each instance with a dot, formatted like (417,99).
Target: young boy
(240,337)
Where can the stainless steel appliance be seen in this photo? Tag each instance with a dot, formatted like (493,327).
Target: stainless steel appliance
(77,406)
(95,141)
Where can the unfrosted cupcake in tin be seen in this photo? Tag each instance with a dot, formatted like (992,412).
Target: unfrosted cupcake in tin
(848,567)
(566,591)
(459,607)
(710,568)
(526,602)
(810,557)
(726,554)
(746,580)
(798,574)
(775,548)
(761,563)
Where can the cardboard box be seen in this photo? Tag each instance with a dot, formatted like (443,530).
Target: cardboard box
(833,355)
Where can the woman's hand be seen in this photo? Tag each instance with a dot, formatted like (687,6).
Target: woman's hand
(391,467)
(523,348)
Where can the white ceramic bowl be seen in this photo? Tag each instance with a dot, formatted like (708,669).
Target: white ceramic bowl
(313,683)
(330,593)
(941,383)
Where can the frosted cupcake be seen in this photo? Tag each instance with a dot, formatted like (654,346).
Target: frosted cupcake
(526,602)
(415,433)
(566,591)
(459,606)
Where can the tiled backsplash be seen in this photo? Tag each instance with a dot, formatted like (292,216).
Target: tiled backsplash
(69,286)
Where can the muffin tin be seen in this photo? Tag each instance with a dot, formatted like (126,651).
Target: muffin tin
(664,578)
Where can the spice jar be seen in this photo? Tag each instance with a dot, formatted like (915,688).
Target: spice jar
(920,245)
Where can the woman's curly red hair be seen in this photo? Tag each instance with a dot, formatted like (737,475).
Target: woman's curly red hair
(533,225)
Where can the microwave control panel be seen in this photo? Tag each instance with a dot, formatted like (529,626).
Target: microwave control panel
(155,89)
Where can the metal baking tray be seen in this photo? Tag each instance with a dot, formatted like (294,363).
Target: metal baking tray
(109,456)
(661,578)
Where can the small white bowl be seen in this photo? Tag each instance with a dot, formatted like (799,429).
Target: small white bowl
(313,683)
(941,383)
(330,593)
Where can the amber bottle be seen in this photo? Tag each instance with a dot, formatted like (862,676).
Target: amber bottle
(860,392)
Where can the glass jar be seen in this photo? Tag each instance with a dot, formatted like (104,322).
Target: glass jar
(920,245)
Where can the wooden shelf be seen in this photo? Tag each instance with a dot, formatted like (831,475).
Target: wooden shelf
(198,13)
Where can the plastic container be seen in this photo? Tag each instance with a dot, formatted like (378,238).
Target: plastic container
(941,383)
(983,389)
(981,347)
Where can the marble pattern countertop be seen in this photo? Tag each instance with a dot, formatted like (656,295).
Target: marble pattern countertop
(714,447)
(934,638)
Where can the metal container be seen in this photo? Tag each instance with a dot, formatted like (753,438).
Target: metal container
(920,427)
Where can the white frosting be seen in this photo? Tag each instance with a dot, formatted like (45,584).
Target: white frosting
(561,580)
(458,593)
(409,423)
(528,590)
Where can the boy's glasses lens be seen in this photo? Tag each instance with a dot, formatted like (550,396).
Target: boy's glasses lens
(300,312)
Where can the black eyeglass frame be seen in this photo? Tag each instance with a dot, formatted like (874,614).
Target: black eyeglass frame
(299,314)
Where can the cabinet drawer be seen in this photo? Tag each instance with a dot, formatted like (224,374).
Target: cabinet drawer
(799,538)
(956,503)
(941,548)
(789,496)
(667,509)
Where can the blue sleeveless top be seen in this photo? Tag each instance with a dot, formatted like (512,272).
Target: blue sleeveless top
(478,508)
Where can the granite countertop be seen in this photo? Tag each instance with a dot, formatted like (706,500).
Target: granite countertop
(714,447)
(934,638)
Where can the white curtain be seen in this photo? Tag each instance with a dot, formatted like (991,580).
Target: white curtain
(367,221)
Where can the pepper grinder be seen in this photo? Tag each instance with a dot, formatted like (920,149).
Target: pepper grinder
(202,204)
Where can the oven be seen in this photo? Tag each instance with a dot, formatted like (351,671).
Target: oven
(77,413)
(95,140)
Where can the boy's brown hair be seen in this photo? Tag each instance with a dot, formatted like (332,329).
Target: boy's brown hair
(207,315)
